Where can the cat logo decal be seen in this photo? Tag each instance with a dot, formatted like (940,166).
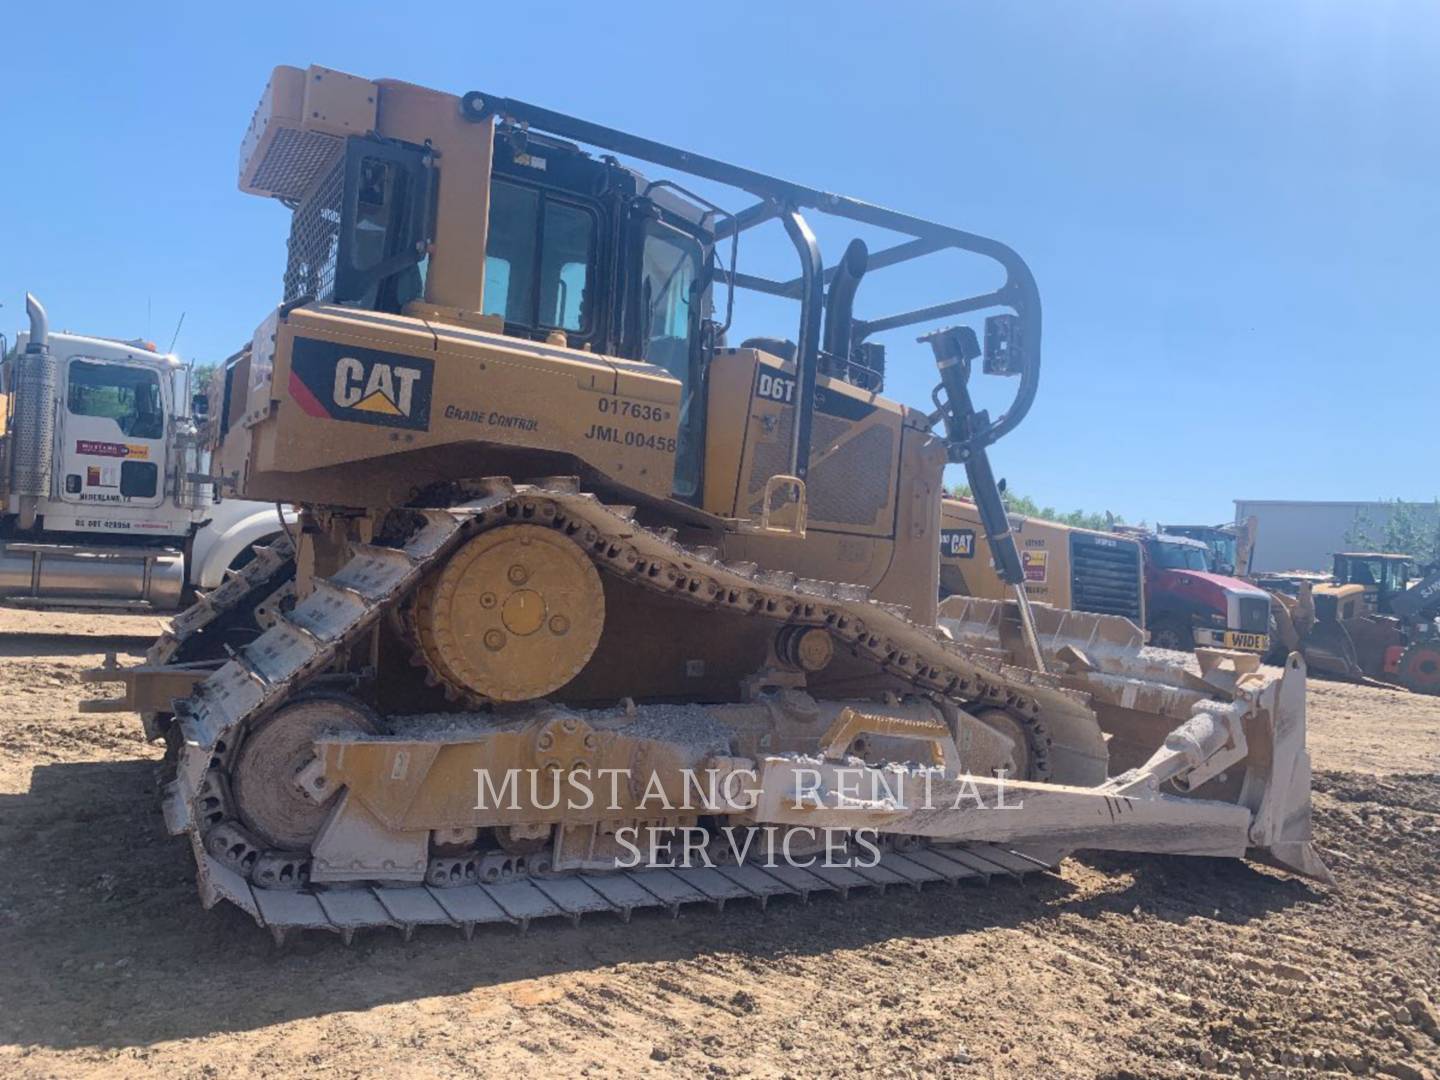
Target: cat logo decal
(363,386)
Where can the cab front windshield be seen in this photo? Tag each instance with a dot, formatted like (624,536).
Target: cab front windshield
(669,275)
(1170,556)
(1388,574)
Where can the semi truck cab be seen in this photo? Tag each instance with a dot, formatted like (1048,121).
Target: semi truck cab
(1190,605)
(114,468)
(100,451)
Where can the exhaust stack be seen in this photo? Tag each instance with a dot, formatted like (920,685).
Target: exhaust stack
(840,299)
(34,416)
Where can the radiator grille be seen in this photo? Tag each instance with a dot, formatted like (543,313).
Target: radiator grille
(1254,614)
(845,488)
(1105,575)
(293,160)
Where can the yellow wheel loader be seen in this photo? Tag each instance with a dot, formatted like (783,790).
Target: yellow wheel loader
(588,609)
(1366,621)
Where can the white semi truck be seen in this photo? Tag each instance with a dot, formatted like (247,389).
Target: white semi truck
(102,498)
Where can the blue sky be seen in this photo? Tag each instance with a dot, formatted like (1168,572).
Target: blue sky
(1230,208)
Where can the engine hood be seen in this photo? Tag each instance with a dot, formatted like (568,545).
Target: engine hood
(1220,581)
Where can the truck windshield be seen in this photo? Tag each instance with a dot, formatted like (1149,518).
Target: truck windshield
(1180,557)
(669,271)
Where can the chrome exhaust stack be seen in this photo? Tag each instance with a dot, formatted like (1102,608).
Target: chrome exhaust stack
(34,417)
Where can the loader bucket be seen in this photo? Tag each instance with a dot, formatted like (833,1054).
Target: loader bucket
(1146,699)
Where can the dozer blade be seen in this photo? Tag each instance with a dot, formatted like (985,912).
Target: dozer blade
(1205,760)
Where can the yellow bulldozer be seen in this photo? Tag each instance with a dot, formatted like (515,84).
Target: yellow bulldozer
(588,609)
(1064,566)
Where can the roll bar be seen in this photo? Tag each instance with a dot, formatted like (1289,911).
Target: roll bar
(784,199)
(807,345)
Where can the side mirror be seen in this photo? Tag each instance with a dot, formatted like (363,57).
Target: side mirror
(200,406)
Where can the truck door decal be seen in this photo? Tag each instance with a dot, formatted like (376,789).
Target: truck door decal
(109,449)
(362,386)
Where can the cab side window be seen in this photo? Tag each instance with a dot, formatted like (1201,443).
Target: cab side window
(130,396)
(539,259)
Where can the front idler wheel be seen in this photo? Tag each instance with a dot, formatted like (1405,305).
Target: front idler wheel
(266,778)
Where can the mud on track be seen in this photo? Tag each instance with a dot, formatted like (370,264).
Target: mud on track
(1119,966)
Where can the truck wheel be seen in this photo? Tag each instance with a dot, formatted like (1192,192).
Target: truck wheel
(1172,632)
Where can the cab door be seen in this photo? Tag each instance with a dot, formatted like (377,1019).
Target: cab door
(112,434)
(669,290)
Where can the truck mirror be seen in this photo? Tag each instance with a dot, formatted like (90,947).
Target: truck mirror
(200,406)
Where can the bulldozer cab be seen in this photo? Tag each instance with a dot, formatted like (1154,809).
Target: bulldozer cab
(587,249)
(1382,576)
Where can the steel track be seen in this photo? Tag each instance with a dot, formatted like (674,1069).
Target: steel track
(306,641)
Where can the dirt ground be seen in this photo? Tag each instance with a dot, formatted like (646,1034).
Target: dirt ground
(1119,966)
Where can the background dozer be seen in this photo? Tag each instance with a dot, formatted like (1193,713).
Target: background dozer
(1064,566)
(555,527)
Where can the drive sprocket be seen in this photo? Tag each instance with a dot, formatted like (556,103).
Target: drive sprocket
(513,615)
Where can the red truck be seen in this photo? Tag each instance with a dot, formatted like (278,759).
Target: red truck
(1187,604)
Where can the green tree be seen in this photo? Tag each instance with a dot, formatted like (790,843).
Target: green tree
(1406,531)
(1028,507)
(1360,536)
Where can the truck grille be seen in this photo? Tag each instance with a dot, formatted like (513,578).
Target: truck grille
(1105,575)
(1254,614)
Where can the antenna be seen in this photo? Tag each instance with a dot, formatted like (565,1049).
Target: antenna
(176,337)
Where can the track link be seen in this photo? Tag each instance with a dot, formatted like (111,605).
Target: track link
(307,640)
(516,903)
